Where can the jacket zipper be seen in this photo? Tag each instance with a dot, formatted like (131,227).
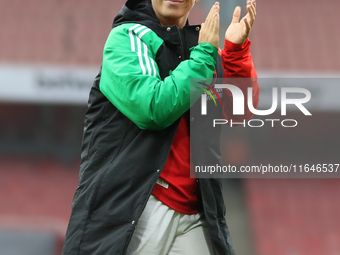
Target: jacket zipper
(182,44)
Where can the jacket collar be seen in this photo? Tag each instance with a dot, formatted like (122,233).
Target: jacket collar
(141,12)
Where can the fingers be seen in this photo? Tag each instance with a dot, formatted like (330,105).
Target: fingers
(248,26)
(254,4)
(251,7)
(250,17)
(236,15)
(214,9)
(210,28)
(216,25)
(210,20)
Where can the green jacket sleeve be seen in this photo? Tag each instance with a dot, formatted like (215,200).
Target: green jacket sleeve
(130,78)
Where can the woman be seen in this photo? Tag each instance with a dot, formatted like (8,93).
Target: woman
(135,194)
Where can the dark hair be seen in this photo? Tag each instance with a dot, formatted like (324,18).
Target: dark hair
(132,4)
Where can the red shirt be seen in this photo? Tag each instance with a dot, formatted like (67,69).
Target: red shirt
(178,190)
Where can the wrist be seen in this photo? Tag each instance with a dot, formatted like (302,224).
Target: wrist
(234,47)
(208,48)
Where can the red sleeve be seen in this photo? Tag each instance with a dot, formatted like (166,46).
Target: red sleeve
(238,63)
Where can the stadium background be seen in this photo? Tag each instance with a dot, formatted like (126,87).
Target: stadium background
(51,50)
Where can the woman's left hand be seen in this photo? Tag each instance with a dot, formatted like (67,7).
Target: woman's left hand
(238,31)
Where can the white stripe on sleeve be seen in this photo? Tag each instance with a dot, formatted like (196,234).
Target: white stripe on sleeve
(147,58)
(139,53)
(139,29)
(133,33)
(144,32)
(132,39)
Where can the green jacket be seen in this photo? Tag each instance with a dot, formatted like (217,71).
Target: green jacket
(130,77)
(134,110)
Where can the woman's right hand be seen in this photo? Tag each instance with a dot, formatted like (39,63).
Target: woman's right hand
(210,28)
